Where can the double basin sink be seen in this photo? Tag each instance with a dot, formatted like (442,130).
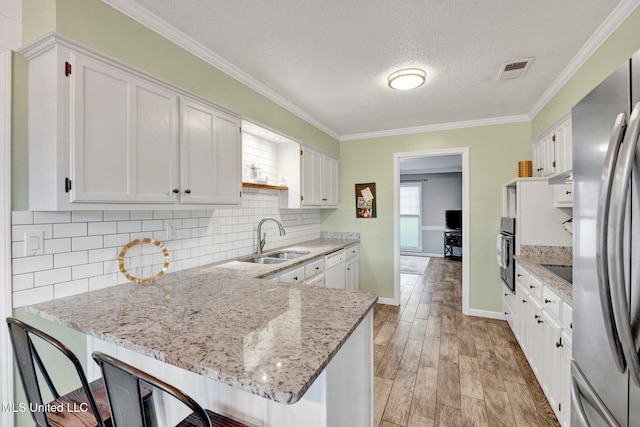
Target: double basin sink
(275,258)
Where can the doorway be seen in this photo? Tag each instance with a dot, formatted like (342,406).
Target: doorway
(445,215)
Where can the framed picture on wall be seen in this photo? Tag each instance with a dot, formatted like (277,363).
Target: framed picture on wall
(366,200)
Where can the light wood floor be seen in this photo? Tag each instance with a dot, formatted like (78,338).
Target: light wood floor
(436,367)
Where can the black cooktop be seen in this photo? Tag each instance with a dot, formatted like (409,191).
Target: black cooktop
(565,272)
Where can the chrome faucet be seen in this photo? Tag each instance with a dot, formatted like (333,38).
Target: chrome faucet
(262,237)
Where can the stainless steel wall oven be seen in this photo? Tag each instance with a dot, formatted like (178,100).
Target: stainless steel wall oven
(506,251)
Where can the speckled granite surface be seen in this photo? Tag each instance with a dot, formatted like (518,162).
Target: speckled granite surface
(269,338)
(532,256)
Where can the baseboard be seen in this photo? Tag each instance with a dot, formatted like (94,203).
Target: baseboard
(487,314)
(387,301)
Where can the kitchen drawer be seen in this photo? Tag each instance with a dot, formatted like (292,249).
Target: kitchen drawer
(352,252)
(536,288)
(317,280)
(552,302)
(314,268)
(295,275)
(567,317)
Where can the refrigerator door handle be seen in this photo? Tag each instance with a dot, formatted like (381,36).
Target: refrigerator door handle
(580,388)
(602,219)
(615,244)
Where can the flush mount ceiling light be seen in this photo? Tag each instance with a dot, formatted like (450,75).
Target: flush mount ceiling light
(407,78)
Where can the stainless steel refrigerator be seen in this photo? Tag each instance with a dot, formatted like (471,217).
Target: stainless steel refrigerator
(606,253)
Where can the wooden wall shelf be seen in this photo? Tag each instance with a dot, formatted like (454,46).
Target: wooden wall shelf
(264,186)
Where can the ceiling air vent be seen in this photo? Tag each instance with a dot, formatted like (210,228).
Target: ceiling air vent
(515,69)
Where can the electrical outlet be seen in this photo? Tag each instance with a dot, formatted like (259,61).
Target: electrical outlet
(171,231)
(33,243)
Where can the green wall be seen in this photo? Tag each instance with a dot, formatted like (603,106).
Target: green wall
(494,152)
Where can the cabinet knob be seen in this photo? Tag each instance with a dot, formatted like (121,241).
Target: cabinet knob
(532,286)
(519,275)
(317,268)
(295,278)
(568,193)
(506,294)
(324,200)
(536,316)
(540,321)
(524,300)
(176,191)
(559,343)
(187,191)
(547,301)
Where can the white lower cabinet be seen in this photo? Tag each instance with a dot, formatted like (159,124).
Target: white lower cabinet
(293,275)
(352,276)
(542,325)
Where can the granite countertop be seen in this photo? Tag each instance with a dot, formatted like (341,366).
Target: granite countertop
(270,338)
(531,263)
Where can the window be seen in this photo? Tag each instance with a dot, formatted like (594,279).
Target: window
(411,216)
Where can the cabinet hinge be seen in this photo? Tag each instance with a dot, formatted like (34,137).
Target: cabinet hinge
(301,152)
(554,163)
(241,194)
(67,185)
(67,69)
(559,407)
(301,198)
(553,137)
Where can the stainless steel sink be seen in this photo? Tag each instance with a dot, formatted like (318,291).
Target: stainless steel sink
(264,260)
(287,254)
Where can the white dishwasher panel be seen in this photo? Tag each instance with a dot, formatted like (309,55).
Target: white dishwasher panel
(334,270)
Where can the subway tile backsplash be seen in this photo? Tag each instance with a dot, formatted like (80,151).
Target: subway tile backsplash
(81,248)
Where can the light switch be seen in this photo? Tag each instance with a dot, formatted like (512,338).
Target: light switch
(33,243)
(171,230)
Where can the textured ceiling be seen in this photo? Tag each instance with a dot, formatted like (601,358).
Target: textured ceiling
(330,58)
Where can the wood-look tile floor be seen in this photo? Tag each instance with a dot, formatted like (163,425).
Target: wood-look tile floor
(436,367)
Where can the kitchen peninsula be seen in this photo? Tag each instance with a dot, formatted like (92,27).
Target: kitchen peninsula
(271,353)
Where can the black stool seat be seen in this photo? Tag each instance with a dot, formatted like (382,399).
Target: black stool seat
(217,420)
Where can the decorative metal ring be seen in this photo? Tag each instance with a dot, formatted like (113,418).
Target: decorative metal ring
(135,242)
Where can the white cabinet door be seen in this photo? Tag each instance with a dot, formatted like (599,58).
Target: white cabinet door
(565,379)
(210,155)
(352,276)
(329,181)
(563,141)
(123,137)
(563,195)
(311,178)
(295,275)
(551,370)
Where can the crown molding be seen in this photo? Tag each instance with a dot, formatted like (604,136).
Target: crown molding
(438,127)
(619,14)
(166,30)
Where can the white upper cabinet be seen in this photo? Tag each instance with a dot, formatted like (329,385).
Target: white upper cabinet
(552,150)
(124,136)
(103,135)
(211,155)
(319,179)
(311,177)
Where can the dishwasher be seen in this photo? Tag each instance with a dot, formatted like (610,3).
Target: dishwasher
(334,274)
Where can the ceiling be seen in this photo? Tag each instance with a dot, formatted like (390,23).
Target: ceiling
(431,164)
(327,61)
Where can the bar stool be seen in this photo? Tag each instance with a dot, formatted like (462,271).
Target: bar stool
(77,408)
(123,381)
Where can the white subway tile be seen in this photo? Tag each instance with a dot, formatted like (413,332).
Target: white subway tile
(21,282)
(189,263)
(111,266)
(56,246)
(21,217)
(70,259)
(116,215)
(32,296)
(129,226)
(139,215)
(95,228)
(181,214)
(116,240)
(87,270)
(153,225)
(17,249)
(100,255)
(74,287)
(31,264)
(86,216)
(84,243)
(162,214)
(51,217)
(50,277)
(69,230)
(101,282)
